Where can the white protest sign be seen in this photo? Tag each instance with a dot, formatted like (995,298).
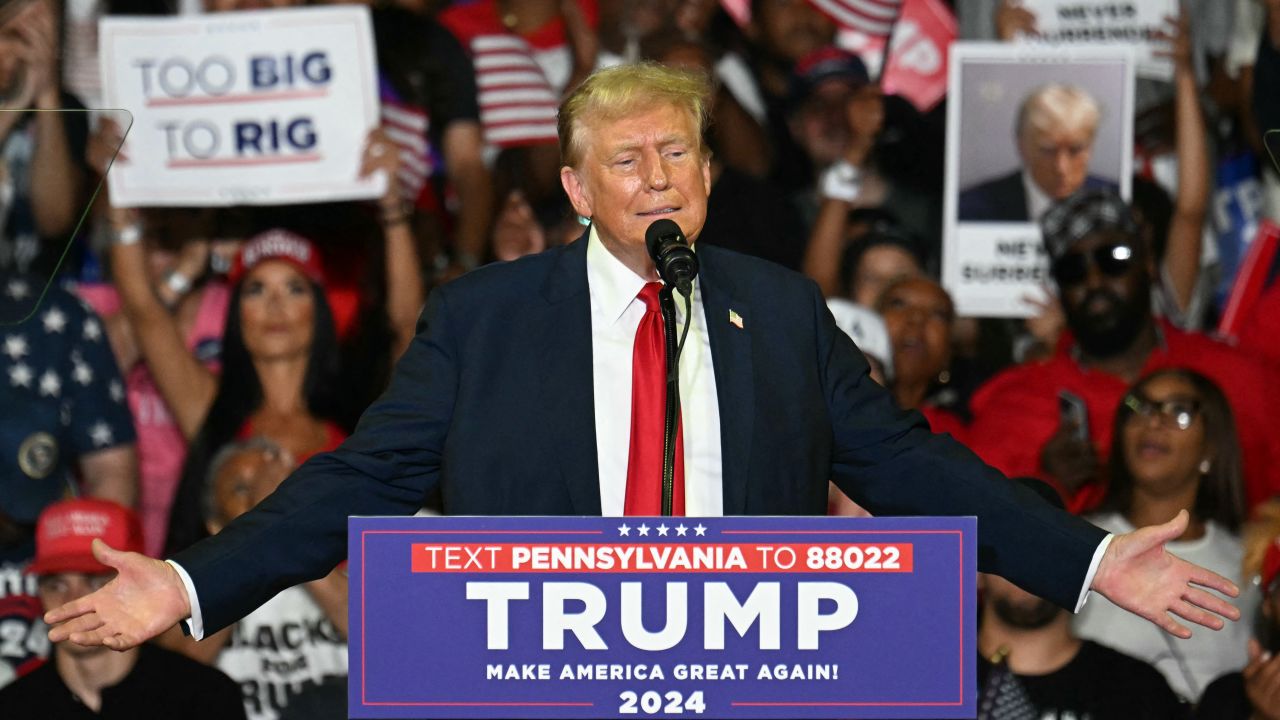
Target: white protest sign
(1004,167)
(1100,23)
(262,107)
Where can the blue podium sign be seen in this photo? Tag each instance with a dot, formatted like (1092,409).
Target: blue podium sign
(766,617)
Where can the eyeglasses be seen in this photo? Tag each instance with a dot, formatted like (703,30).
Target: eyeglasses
(1113,260)
(1179,413)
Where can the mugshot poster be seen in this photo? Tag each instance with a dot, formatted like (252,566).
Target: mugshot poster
(261,107)
(771,617)
(1026,126)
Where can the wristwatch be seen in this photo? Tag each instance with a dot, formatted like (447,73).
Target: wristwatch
(130,234)
(842,181)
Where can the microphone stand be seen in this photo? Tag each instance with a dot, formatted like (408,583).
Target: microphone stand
(668,307)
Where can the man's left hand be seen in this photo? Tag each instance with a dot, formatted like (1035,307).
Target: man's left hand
(1138,574)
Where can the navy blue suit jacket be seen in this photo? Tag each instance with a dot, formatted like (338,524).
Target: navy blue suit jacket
(1004,199)
(493,401)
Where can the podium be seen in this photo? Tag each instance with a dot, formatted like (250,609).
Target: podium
(735,617)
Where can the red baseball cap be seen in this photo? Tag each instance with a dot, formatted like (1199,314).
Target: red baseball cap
(1271,567)
(278,244)
(66,530)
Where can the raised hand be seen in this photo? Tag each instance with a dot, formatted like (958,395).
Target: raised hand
(37,33)
(145,598)
(1138,574)
(382,154)
(1012,20)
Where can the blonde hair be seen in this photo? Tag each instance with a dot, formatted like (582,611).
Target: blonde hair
(617,91)
(1057,105)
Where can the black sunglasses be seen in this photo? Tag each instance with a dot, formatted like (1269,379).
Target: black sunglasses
(1112,259)
(1179,413)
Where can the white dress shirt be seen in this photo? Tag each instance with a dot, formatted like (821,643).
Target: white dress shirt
(615,314)
(1038,201)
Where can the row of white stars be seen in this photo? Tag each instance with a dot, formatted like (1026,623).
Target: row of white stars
(21,375)
(699,530)
(16,346)
(55,321)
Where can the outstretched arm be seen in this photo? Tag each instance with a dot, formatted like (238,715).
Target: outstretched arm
(299,532)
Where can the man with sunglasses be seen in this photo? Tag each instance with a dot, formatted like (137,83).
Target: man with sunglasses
(1104,272)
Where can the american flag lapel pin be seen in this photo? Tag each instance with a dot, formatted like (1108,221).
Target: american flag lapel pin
(735,319)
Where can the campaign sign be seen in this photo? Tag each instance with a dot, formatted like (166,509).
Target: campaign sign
(662,617)
(1140,24)
(1011,155)
(260,107)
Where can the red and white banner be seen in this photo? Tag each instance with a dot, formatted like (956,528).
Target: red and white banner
(918,59)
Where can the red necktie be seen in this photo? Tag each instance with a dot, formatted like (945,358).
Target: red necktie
(649,417)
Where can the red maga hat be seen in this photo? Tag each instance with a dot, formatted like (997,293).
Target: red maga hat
(66,530)
(278,245)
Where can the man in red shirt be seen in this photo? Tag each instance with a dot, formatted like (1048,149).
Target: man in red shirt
(1103,269)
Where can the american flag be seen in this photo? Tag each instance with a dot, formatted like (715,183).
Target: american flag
(517,104)
(517,100)
(871,17)
(407,125)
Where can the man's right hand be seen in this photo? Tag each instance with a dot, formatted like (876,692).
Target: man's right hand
(145,598)
(1068,460)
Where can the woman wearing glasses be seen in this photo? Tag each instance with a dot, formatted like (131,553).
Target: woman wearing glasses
(1173,447)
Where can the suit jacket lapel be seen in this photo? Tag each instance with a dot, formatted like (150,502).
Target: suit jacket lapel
(567,392)
(735,387)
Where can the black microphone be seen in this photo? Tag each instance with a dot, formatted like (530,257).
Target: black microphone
(676,262)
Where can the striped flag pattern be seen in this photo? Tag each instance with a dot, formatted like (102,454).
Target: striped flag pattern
(517,100)
(517,103)
(407,126)
(871,17)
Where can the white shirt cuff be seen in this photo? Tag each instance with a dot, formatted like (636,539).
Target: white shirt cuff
(195,623)
(1084,591)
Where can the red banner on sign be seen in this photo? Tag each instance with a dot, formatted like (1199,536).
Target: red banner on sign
(662,557)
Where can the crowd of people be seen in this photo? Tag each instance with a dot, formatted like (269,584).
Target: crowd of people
(163,369)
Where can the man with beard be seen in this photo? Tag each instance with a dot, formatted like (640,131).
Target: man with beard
(1104,272)
(1055,673)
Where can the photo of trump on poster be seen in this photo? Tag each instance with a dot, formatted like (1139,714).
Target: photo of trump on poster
(1026,127)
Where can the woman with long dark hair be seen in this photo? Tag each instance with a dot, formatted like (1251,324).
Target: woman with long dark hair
(279,362)
(1175,448)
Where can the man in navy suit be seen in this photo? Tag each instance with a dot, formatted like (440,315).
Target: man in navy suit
(516,399)
(1055,130)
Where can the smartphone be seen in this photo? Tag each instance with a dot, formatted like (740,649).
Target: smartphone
(1071,409)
